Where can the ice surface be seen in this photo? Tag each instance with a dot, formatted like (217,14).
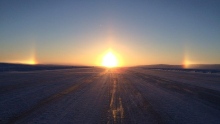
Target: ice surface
(98,95)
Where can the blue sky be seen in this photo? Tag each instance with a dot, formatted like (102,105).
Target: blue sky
(140,32)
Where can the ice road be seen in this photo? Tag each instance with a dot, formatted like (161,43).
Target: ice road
(109,96)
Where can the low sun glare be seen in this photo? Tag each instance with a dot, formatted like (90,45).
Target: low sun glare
(110,60)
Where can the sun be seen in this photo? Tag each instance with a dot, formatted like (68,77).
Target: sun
(109,60)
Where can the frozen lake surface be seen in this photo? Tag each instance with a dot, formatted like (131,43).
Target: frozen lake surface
(109,96)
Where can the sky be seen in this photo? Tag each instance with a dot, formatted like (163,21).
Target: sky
(137,32)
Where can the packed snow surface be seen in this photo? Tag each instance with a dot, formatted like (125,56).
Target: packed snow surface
(117,95)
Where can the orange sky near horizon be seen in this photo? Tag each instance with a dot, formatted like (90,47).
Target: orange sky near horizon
(137,33)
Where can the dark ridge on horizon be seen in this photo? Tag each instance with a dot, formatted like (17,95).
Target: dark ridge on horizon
(5,67)
(200,68)
(191,66)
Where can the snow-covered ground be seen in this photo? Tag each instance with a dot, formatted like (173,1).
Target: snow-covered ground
(122,95)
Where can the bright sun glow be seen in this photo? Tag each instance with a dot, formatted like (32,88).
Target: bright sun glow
(109,60)
(30,62)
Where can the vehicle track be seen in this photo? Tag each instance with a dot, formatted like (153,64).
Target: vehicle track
(141,110)
(114,96)
(128,105)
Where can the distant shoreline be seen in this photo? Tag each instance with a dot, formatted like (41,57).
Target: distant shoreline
(6,67)
(204,68)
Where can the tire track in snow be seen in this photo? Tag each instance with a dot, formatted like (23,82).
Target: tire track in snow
(138,108)
(116,110)
(128,105)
